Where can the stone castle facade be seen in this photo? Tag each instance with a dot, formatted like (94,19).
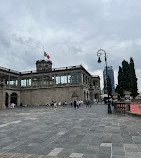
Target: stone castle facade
(45,84)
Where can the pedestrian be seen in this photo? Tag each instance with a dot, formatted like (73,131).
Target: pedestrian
(55,106)
(79,102)
(59,103)
(66,103)
(63,104)
(52,104)
(94,101)
(74,104)
(87,103)
(21,104)
(90,104)
(71,103)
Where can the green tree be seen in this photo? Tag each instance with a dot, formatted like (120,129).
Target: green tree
(133,79)
(119,88)
(125,76)
(127,80)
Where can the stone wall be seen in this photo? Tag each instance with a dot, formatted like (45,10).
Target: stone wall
(42,96)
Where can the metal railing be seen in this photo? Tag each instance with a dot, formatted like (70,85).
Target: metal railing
(53,69)
(9,70)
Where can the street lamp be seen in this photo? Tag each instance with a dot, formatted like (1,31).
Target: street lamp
(99,53)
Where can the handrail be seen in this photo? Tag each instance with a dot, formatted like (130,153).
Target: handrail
(9,70)
(54,69)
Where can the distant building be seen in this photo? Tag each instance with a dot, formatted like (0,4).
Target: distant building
(45,84)
(110,73)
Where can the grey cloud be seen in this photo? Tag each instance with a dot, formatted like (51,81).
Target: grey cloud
(71,32)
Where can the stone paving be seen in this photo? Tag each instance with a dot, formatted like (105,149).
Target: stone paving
(39,132)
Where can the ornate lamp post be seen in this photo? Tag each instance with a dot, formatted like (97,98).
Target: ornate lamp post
(99,53)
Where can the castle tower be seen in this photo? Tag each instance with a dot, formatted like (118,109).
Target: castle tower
(43,65)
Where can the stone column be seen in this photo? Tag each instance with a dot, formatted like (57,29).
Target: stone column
(18,99)
(19,82)
(42,84)
(54,79)
(81,77)
(9,81)
(67,77)
(2,96)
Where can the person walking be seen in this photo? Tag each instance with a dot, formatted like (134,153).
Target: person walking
(55,106)
(90,104)
(74,104)
(71,103)
(79,102)
(52,104)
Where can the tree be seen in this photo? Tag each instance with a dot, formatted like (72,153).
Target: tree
(119,88)
(133,79)
(127,80)
(125,75)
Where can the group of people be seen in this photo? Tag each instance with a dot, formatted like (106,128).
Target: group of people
(54,105)
(77,104)
(88,104)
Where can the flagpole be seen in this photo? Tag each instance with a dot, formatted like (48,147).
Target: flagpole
(43,53)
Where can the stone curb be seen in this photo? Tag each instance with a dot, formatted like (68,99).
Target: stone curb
(18,155)
(134,114)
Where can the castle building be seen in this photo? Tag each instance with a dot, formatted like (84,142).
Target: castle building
(45,84)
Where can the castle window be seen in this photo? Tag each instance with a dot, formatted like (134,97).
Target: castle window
(61,79)
(26,82)
(74,77)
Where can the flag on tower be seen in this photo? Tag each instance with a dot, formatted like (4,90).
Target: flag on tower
(46,55)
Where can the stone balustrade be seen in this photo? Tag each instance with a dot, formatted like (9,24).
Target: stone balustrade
(122,107)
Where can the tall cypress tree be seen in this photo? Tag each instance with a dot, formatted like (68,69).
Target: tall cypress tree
(133,79)
(119,88)
(127,80)
(126,75)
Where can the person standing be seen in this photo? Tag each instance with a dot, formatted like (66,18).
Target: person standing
(21,104)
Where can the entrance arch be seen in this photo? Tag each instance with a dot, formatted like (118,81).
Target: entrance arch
(14,98)
(96,96)
(6,99)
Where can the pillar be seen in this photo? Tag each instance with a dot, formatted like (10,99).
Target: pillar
(2,96)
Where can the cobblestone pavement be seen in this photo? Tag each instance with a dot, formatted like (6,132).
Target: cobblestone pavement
(39,132)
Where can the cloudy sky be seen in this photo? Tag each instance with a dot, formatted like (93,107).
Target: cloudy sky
(71,31)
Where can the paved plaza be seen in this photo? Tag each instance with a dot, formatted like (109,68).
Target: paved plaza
(40,132)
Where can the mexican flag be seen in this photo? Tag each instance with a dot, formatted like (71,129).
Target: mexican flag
(46,55)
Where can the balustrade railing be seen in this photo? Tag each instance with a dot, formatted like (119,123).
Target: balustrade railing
(122,107)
